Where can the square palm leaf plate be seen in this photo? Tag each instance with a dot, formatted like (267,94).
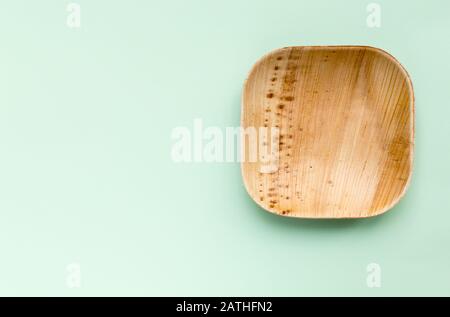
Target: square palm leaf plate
(342,123)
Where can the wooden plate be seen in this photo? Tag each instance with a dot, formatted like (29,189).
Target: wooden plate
(340,127)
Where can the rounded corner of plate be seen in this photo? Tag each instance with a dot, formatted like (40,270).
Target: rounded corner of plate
(394,202)
(394,61)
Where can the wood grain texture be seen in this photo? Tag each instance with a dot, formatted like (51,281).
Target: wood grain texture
(346,121)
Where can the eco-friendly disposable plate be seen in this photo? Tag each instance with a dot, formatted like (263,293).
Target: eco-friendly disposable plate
(335,131)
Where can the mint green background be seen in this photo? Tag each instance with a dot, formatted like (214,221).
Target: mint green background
(85,136)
